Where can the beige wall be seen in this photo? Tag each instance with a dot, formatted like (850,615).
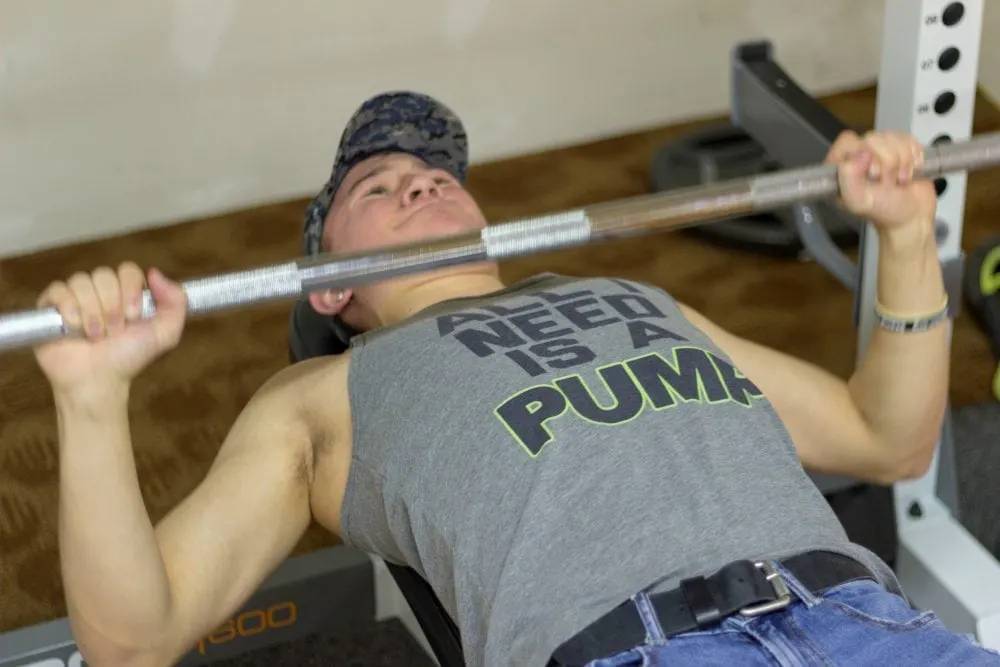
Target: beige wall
(122,114)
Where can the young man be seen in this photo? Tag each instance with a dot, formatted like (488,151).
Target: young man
(582,469)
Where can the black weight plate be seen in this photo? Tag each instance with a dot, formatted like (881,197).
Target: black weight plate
(724,152)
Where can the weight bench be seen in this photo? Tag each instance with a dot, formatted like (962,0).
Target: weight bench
(313,335)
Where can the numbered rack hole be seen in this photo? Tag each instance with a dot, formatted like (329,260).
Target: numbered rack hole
(940,232)
(942,139)
(952,14)
(949,58)
(944,102)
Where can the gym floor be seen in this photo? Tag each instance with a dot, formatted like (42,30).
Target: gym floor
(183,407)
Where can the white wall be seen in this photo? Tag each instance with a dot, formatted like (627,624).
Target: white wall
(121,114)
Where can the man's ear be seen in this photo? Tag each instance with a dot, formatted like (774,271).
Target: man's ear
(329,302)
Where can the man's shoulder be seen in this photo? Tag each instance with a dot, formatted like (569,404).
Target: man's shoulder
(295,392)
(301,381)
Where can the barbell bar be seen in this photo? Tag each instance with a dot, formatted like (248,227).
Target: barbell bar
(641,215)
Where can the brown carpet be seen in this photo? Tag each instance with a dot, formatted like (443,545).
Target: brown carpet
(183,407)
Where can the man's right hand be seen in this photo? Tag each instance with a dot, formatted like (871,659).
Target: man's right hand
(115,345)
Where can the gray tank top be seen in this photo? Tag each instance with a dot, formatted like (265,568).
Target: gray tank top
(540,454)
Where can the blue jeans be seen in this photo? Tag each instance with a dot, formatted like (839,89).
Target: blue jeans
(858,623)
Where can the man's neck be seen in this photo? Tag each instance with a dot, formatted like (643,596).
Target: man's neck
(426,293)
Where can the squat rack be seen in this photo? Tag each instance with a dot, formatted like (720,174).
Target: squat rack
(927,87)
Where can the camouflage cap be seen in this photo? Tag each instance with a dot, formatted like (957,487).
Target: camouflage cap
(401,121)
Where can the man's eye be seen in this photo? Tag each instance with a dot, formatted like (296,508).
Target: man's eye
(377,190)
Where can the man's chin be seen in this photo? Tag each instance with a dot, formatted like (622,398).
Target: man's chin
(470,269)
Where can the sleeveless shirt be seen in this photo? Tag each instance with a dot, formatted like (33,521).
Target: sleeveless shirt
(540,454)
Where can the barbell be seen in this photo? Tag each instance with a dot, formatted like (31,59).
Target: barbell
(634,216)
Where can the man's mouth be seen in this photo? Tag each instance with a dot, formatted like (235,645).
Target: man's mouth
(418,209)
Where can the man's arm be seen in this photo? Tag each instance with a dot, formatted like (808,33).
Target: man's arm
(832,433)
(901,385)
(143,596)
(883,424)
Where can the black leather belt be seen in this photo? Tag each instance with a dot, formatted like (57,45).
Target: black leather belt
(743,587)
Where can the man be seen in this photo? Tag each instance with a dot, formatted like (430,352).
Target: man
(582,469)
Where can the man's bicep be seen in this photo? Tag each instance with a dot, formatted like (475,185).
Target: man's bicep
(241,522)
(816,407)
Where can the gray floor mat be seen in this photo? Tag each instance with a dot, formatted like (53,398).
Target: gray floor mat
(977,467)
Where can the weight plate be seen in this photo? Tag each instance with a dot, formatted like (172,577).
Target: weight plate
(723,152)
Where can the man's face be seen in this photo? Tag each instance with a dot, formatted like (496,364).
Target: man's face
(396,198)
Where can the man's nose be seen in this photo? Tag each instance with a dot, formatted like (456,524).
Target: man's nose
(421,186)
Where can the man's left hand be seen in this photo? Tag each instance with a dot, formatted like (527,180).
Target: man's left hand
(876,179)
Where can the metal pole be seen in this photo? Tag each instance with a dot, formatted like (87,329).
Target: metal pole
(617,219)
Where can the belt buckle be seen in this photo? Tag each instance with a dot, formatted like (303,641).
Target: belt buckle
(780,589)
